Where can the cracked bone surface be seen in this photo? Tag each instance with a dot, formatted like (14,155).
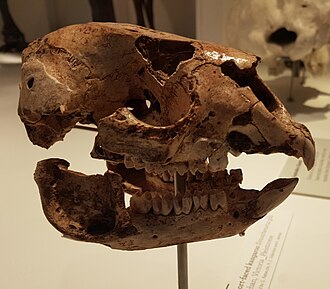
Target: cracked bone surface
(161,104)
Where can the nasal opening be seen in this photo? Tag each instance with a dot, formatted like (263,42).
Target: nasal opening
(282,37)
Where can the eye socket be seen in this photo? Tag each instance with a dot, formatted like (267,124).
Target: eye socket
(30,83)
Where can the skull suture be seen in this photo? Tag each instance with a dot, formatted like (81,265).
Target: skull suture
(272,29)
(162,104)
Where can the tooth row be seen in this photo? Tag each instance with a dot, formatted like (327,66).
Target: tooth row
(169,169)
(131,162)
(166,204)
(167,177)
(218,161)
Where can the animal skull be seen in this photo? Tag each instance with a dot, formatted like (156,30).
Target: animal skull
(162,104)
(276,28)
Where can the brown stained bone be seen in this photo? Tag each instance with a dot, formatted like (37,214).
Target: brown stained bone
(197,91)
(92,209)
(162,104)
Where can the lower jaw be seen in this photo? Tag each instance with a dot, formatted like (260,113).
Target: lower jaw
(153,231)
(83,208)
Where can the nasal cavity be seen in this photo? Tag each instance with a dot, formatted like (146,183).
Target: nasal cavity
(282,37)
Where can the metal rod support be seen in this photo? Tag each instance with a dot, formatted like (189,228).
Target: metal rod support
(296,66)
(182,249)
(182,253)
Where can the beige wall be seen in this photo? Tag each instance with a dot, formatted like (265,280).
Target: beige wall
(177,16)
(30,16)
(212,19)
(37,17)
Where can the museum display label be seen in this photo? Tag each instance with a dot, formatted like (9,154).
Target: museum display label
(261,250)
(315,182)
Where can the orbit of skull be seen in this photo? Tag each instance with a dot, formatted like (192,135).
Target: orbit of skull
(162,104)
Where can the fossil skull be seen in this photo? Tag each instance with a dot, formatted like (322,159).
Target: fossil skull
(162,104)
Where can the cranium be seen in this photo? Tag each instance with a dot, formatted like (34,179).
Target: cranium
(162,104)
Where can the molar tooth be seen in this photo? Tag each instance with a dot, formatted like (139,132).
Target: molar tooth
(157,204)
(206,175)
(204,201)
(141,203)
(193,168)
(158,169)
(196,201)
(177,204)
(128,162)
(218,199)
(199,176)
(148,168)
(167,204)
(197,165)
(171,169)
(186,204)
(214,202)
(218,161)
(222,197)
(182,168)
(203,167)
(166,176)
(138,164)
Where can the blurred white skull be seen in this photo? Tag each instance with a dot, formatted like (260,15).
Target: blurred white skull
(273,29)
